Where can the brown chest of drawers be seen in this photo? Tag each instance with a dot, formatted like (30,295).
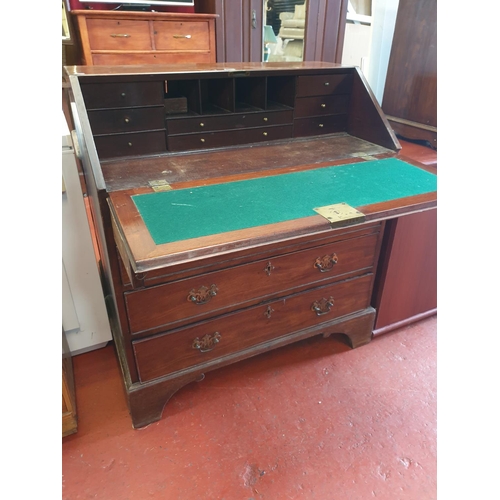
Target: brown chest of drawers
(119,37)
(183,306)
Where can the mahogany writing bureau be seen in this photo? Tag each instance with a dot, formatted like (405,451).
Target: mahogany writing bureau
(239,208)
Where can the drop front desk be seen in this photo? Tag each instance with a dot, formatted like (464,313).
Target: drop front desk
(205,181)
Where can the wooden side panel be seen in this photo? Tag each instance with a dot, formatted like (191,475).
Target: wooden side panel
(366,119)
(411,84)
(409,274)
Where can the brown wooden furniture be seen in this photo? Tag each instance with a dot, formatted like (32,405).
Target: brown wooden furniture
(410,93)
(409,256)
(185,307)
(121,37)
(239,29)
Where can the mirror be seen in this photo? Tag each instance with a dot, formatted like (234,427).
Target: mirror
(284,30)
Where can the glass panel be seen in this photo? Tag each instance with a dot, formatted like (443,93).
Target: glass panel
(285,23)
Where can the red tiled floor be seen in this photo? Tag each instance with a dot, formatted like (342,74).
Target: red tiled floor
(314,420)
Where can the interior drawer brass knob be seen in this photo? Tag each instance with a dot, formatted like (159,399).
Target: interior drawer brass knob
(130,144)
(323,105)
(327,83)
(127,120)
(320,125)
(202,140)
(265,118)
(202,124)
(264,133)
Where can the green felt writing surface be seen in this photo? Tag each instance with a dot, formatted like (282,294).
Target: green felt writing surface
(194,212)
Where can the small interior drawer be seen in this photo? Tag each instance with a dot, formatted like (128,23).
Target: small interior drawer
(231,333)
(319,125)
(126,120)
(324,85)
(136,143)
(321,105)
(123,34)
(122,95)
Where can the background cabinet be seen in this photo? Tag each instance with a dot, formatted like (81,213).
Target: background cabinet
(111,37)
(239,29)
(410,95)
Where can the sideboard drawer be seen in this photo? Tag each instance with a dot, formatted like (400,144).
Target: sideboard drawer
(183,36)
(126,120)
(324,85)
(110,34)
(319,125)
(231,333)
(209,293)
(136,143)
(186,125)
(321,105)
(122,95)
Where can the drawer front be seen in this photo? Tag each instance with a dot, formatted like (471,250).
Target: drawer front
(122,95)
(126,120)
(187,125)
(151,58)
(228,138)
(138,143)
(183,36)
(109,34)
(231,333)
(210,293)
(324,85)
(319,125)
(321,105)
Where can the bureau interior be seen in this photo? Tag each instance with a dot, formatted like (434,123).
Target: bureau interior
(181,112)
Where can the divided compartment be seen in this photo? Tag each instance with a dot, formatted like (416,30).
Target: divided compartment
(182,98)
(217,96)
(250,94)
(280,92)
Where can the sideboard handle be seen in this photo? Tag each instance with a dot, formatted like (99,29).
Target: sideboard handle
(207,342)
(326,263)
(203,295)
(181,36)
(323,306)
(119,35)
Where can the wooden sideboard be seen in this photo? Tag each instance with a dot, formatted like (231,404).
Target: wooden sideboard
(203,183)
(121,37)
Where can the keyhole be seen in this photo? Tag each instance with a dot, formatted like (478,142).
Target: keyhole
(268,312)
(269,268)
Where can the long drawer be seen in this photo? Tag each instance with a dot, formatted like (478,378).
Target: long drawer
(155,57)
(208,294)
(231,333)
(228,138)
(186,125)
(183,36)
(123,34)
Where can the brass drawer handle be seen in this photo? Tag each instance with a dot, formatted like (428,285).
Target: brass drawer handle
(265,118)
(320,125)
(323,306)
(323,105)
(202,124)
(326,263)
(119,35)
(203,295)
(327,84)
(129,144)
(264,133)
(126,120)
(181,36)
(202,140)
(207,342)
